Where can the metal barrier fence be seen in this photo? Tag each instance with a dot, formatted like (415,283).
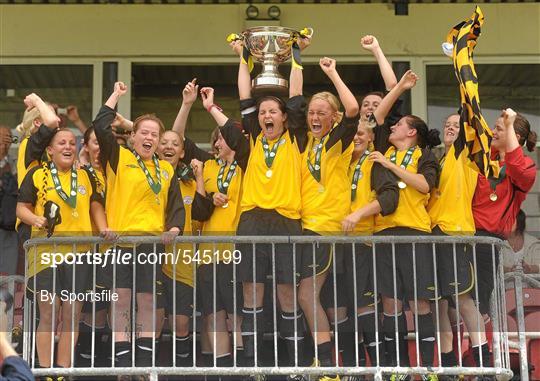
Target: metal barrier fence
(268,361)
(9,283)
(519,279)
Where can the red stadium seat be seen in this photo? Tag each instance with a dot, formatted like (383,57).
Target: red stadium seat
(531,301)
(534,359)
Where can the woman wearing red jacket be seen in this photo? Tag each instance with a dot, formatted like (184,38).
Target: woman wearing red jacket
(496,202)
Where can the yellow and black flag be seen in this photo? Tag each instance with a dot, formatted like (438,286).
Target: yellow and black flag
(296,60)
(478,136)
(247,58)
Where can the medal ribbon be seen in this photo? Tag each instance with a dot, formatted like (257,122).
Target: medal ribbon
(184,172)
(493,182)
(155,186)
(223,186)
(356,175)
(71,200)
(315,168)
(99,186)
(406,160)
(270,155)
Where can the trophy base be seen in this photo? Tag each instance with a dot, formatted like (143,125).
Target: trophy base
(274,86)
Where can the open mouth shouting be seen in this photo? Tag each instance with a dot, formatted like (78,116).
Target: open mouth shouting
(147,147)
(316,127)
(269,125)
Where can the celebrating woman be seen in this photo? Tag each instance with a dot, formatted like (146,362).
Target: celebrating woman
(271,201)
(410,159)
(325,199)
(61,199)
(497,201)
(143,198)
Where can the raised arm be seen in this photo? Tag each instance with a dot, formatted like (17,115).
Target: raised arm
(109,150)
(207,95)
(328,66)
(47,114)
(370,43)
(296,78)
(509,116)
(520,168)
(73,116)
(119,89)
(407,82)
(244,78)
(189,96)
(121,122)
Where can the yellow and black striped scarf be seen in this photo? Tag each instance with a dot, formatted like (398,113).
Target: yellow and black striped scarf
(478,136)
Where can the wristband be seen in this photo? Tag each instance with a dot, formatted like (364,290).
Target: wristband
(212,106)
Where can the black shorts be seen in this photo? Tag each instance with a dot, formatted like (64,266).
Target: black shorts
(101,304)
(63,278)
(402,276)
(315,258)
(261,222)
(224,289)
(462,277)
(144,272)
(359,274)
(181,293)
(487,257)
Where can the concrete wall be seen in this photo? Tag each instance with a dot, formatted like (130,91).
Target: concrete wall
(197,32)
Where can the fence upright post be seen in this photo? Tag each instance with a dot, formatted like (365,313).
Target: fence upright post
(518,288)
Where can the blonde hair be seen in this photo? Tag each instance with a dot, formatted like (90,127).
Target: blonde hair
(137,122)
(332,100)
(25,126)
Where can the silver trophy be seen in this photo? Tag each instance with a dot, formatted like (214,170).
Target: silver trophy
(270,45)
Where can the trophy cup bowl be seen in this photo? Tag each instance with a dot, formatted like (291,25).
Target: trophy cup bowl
(270,45)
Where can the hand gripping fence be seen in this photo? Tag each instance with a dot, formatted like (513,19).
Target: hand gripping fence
(216,334)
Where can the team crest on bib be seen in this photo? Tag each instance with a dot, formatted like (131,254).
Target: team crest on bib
(82,189)
(188,200)
(165,174)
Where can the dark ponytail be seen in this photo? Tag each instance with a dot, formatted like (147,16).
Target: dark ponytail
(522,127)
(426,137)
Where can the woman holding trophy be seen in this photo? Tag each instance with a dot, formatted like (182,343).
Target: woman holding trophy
(271,203)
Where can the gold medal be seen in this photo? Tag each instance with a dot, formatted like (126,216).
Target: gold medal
(493,197)
(75,214)
(269,173)
(401,185)
(226,205)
